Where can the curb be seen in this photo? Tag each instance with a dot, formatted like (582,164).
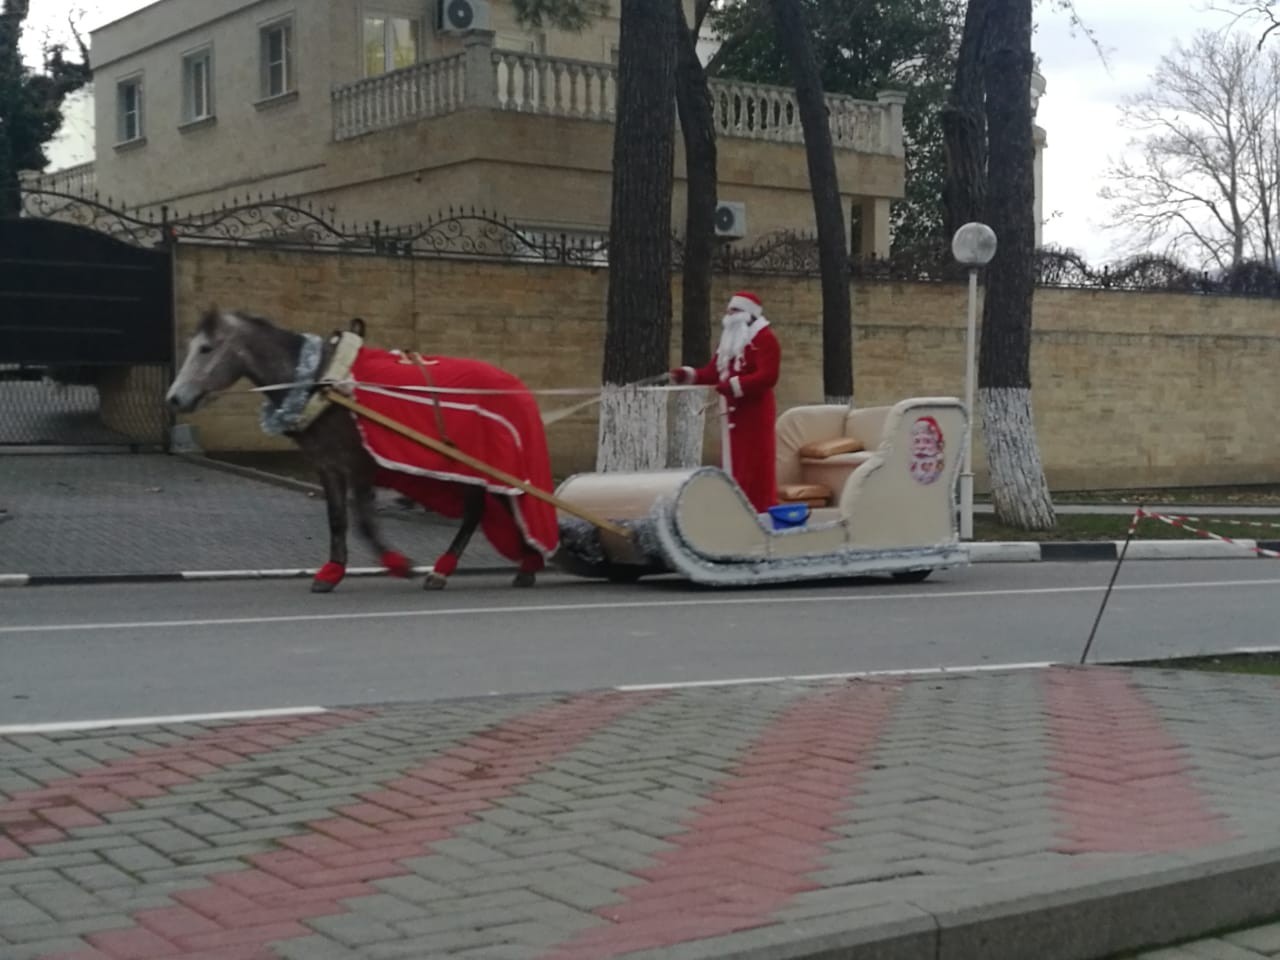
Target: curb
(251,473)
(1118,912)
(187,576)
(979,552)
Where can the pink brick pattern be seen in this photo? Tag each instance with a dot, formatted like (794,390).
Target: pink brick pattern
(748,850)
(44,815)
(1123,783)
(248,910)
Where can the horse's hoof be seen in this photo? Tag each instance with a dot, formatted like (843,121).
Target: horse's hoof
(322,586)
(524,579)
(434,581)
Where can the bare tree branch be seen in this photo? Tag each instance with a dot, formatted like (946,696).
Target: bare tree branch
(1207,164)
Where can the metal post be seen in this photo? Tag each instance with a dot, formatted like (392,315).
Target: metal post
(966,474)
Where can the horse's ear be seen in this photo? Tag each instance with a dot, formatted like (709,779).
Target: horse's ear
(208,319)
(357,326)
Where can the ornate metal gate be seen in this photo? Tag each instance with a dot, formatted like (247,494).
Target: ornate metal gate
(86,326)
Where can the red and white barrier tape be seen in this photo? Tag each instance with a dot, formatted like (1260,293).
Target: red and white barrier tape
(1182,524)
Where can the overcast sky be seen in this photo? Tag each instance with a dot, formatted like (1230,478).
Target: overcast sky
(1079,109)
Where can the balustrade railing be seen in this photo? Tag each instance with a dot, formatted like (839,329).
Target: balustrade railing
(79,179)
(428,89)
(554,86)
(531,83)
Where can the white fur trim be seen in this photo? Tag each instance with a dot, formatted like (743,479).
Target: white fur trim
(687,374)
(746,306)
(736,385)
(344,356)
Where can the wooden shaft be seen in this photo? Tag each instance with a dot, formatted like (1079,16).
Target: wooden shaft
(455,454)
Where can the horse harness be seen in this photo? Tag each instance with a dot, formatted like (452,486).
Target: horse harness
(344,347)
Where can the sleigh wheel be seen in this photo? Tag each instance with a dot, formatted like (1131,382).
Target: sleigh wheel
(911,576)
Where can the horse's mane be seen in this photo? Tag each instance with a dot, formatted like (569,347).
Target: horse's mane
(213,314)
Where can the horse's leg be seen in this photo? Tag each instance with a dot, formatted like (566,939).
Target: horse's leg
(362,499)
(335,497)
(472,511)
(531,561)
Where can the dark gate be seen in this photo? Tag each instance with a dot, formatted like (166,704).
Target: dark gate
(86,333)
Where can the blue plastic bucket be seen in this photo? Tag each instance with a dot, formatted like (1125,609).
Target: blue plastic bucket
(788,515)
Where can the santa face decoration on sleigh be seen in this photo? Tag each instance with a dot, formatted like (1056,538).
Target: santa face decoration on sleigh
(927,449)
(476,408)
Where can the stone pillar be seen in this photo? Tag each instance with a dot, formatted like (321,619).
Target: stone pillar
(1041,139)
(481,76)
(891,121)
(875,238)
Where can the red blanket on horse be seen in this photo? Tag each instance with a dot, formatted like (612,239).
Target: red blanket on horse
(501,429)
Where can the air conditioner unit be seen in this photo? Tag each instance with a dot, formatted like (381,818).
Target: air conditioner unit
(731,220)
(459,16)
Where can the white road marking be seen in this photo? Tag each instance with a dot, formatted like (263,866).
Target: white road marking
(22,728)
(666,603)
(906,672)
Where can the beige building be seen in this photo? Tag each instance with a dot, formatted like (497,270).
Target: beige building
(396,109)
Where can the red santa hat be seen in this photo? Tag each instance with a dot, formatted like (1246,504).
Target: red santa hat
(747,303)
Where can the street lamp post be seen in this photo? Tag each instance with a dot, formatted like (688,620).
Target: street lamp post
(973,245)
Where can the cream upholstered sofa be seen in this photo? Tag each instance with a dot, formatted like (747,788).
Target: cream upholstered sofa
(819,446)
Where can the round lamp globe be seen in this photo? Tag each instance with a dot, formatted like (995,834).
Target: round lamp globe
(974,245)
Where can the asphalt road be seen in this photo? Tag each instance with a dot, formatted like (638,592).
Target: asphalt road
(103,652)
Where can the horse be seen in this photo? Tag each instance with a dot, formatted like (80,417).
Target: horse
(229,345)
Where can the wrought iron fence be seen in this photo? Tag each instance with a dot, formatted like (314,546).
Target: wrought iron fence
(475,233)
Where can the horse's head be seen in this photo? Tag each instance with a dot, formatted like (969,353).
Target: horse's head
(215,360)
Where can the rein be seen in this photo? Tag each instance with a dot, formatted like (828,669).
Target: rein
(594,394)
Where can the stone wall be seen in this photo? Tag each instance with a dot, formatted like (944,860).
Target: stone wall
(1130,389)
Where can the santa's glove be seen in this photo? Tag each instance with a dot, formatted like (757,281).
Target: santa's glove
(675,376)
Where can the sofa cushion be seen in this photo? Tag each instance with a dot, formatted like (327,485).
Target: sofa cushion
(814,494)
(821,449)
(839,459)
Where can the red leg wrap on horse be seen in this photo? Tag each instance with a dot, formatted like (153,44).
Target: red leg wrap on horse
(446,565)
(532,563)
(396,563)
(331,573)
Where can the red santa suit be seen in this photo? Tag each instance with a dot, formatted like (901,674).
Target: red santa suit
(744,372)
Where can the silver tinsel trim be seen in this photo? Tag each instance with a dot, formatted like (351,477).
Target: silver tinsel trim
(281,418)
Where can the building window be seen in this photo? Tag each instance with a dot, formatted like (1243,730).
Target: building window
(277,58)
(197,85)
(390,43)
(129,110)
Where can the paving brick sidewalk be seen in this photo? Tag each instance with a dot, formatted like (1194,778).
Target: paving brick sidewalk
(94,514)
(726,821)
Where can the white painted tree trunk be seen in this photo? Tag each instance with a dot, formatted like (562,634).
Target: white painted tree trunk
(689,421)
(1019,492)
(633,430)
(838,401)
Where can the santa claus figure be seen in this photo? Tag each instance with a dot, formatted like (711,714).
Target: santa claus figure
(744,372)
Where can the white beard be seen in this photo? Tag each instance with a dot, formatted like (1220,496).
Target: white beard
(733,342)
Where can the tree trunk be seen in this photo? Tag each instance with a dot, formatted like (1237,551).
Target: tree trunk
(11,93)
(693,100)
(1018,488)
(833,243)
(638,322)
(964,189)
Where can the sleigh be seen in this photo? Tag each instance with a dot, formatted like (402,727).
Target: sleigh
(888,509)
